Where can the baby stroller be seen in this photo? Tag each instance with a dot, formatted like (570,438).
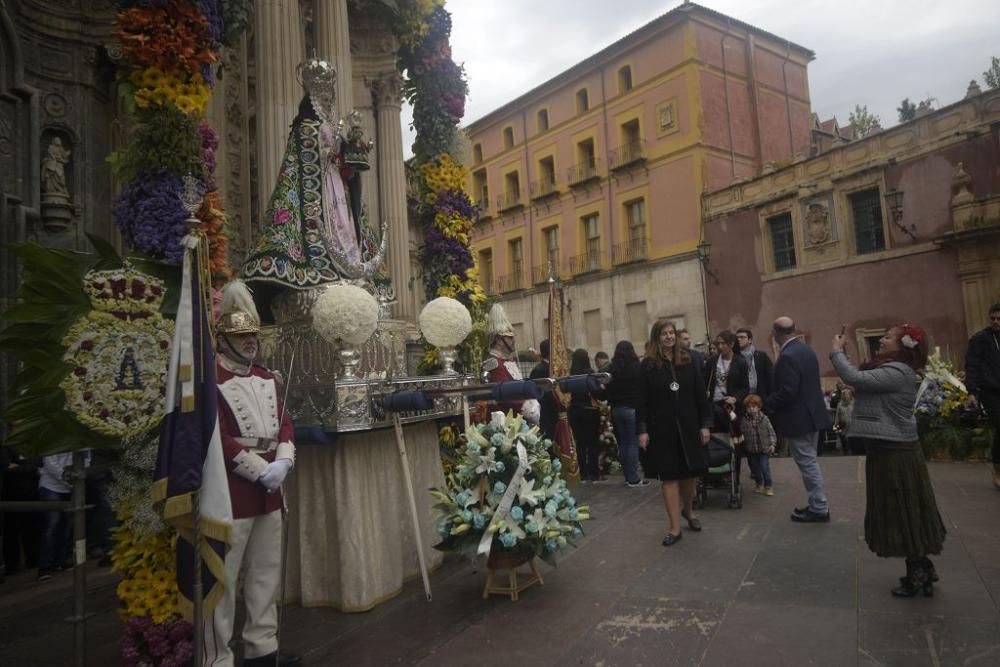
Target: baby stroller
(721,466)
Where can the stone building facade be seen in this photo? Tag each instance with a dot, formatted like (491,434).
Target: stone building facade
(595,177)
(900,226)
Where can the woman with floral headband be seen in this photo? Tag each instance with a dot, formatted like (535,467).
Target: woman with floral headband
(901,515)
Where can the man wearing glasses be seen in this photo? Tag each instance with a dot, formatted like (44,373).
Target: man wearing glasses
(982,379)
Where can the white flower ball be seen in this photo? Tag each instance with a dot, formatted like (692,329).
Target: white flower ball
(345,312)
(445,322)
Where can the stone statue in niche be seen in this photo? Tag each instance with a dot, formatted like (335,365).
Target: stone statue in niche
(54,168)
(818,224)
(57,209)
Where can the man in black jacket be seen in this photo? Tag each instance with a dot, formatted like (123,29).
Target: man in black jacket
(982,378)
(549,403)
(760,366)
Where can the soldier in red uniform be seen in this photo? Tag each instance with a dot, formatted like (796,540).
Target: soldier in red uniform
(257,444)
(501,363)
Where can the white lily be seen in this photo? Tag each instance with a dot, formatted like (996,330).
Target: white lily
(529,494)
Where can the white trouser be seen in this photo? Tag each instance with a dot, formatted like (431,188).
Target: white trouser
(257,546)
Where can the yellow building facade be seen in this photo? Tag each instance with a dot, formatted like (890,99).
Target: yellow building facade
(595,177)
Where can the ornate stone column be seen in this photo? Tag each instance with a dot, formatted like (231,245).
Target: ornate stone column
(334,46)
(279,50)
(392,189)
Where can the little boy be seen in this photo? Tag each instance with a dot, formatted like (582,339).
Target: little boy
(759,443)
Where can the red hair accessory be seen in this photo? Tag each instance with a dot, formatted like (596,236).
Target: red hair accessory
(912,336)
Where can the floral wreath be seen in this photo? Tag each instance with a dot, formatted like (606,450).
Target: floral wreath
(118,354)
(912,336)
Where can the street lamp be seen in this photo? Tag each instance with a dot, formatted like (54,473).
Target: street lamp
(894,200)
(704,255)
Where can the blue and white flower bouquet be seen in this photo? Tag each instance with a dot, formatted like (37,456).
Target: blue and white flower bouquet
(540,515)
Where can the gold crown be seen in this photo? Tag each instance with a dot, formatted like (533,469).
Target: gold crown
(124,291)
(237,322)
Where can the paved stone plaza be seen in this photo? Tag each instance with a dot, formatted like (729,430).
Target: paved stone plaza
(752,589)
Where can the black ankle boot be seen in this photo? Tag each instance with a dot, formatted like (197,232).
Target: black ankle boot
(916,581)
(929,566)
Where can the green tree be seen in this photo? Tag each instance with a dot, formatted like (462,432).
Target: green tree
(864,121)
(907,110)
(992,75)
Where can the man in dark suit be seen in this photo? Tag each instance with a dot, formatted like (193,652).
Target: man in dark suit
(797,410)
(550,407)
(761,368)
(684,338)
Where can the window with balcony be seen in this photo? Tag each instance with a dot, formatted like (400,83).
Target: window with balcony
(624,79)
(512,191)
(477,153)
(582,100)
(586,162)
(546,183)
(486,270)
(480,189)
(630,150)
(779,228)
(515,250)
(542,118)
(592,234)
(508,137)
(866,211)
(550,241)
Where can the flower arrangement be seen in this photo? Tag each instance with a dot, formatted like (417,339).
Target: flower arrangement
(168,75)
(445,322)
(169,643)
(543,516)
(435,86)
(948,428)
(345,312)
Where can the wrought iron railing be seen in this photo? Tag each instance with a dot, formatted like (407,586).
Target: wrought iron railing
(510,282)
(588,261)
(542,272)
(509,200)
(582,172)
(627,154)
(630,251)
(543,188)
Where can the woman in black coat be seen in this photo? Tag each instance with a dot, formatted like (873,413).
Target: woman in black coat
(674,421)
(584,420)
(727,381)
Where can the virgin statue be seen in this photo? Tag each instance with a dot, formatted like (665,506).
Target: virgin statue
(315,230)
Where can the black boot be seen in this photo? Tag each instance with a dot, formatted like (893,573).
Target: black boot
(930,568)
(916,581)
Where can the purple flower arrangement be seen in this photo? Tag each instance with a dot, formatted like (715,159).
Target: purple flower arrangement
(209,145)
(151,217)
(156,644)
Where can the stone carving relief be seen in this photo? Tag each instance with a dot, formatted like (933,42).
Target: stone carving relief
(818,224)
(387,91)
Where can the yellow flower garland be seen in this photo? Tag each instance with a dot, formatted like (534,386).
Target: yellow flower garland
(149,587)
(154,87)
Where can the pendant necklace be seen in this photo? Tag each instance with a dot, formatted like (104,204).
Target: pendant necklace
(673,385)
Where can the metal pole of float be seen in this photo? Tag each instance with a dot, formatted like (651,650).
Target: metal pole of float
(401,446)
(197,585)
(79,510)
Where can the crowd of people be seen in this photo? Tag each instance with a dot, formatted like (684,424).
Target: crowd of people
(42,539)
(668,403)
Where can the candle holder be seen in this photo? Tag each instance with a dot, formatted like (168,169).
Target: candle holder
(448,357)
(349,358)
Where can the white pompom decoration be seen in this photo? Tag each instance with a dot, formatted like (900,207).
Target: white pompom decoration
(445,322)
(345,312)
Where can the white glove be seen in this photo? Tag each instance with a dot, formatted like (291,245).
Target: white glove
(274,474)
(531,410)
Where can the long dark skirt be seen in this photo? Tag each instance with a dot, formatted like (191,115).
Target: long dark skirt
(901,516)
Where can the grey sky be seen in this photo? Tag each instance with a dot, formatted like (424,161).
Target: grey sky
(873,52)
